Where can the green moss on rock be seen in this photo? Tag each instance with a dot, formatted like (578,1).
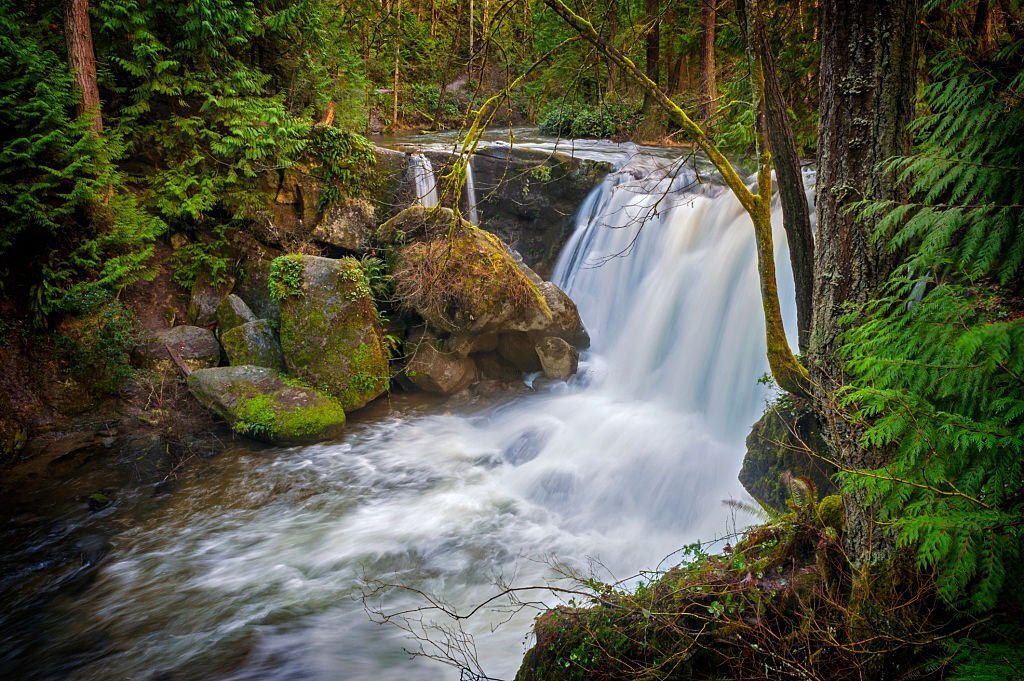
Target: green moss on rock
(259,403)
(330,334)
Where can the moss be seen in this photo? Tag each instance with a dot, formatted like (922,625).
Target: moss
(831,512)
(276,418)
(285,278)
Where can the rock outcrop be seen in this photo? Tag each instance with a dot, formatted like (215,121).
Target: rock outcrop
(258,403)
(232,312)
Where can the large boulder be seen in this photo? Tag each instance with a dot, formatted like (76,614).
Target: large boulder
(786,439)
(348,224)
(253,343)
(258,403)
(330,335)
(461,280)
(232,312)
(436,371)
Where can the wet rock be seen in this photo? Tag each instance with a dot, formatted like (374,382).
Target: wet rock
(146,456)
(258,403)
(253,343)
(435,371)
(785,439)
(232,312)
(558,359)
(330,335)
(348,224)
(206,297)
(520,349)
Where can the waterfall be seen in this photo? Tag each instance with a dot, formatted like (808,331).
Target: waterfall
(426,183)
(254,568)
(474,216)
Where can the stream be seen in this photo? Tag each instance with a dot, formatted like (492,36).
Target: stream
(256,566)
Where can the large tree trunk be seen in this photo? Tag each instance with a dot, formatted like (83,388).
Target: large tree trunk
(707,90)
(868,79)
(82,60)
(650,128)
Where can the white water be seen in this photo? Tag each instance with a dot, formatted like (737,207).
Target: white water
(253,570)
(424,180)
(474,216)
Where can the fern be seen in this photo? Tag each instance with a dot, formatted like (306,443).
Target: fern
(937,363)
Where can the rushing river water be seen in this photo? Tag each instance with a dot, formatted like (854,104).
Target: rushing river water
(254,568)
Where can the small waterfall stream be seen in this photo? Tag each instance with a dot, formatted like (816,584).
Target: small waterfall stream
(424,180)
(253,570)
(474,216)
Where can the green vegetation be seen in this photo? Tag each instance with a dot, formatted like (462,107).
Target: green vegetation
(96,348)
(285,279)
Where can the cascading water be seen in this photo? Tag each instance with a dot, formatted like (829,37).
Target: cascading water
(425,182)
(474,216)
(253,571)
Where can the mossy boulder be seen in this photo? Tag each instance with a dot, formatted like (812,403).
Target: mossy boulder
(232,312)
(786,439)
(253,343)
(461,280)
(258,403)
(330,335)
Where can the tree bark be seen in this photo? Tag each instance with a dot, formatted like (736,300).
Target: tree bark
(82,60)
(867,86)
(650,128)
(796,215)
(707,90)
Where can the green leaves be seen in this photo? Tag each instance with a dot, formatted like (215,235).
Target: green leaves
(937,363)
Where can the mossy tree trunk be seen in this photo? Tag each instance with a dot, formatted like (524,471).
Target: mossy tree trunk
(868,79)
(707,88)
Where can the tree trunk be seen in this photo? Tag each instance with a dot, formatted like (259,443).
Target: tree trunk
(650,128)
(613,28)
(868,80)
(983,26)
(707,90)
(82,60)
(796,215)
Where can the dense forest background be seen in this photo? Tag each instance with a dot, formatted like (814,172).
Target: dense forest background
(127,122)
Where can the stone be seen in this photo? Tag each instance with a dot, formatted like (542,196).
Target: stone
(786,439)
(232,312)
(558,359)
(348,224)
(258,403)
(197,347)
(330,334)
(253,343)
(252,288)
(521,350)
(460,279)
(205,299)
(435,371)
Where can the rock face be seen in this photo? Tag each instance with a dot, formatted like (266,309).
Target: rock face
(257,403)
(436,371)
(348,224)
(253,343)
(777,444)
(329,333)
(232,312)
(558,359)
